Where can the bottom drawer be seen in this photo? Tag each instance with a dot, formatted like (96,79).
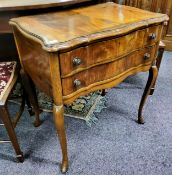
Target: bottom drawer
(109,70)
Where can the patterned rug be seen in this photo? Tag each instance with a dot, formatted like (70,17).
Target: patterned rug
(83,108)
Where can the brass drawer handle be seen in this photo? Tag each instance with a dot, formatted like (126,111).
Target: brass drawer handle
(77,83)
(76,61)
(152,36)
(147,56)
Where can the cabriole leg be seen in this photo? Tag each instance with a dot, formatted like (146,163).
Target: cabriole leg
(32,96)
(29,107)
(153,72)
(158,63)
(58,112)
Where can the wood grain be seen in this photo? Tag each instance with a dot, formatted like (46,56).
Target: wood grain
(107,71)
(18,8)
(160,6)
(113,42)
(107,51)
(35,62)
(68,29)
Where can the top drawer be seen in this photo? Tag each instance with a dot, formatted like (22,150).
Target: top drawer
(105,51)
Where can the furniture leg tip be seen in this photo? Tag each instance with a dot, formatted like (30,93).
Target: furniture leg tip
(20,158)
(151,91)
(31,113)
(141,120)
(37,123)
(64,167)
(40,111)
(103,93)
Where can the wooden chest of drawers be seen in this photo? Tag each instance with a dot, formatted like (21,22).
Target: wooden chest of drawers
(106,51)
(71,53)
(107,71)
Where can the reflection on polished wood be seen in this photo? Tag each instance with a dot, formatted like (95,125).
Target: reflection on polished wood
(18,8)
(160,6)
(71,53)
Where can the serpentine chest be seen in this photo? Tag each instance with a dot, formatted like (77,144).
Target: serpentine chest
(71,53)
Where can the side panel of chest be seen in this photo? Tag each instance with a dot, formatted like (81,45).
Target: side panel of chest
(35,62)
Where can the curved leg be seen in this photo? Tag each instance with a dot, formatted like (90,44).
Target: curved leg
(58,112)
(29,107)
(28,86)
(11,133)
(158,63)
(153,72)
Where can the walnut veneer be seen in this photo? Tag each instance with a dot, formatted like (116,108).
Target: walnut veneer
(71,53)
(161,6)
(18,8)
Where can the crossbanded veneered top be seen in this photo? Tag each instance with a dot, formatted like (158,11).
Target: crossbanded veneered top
(62,30)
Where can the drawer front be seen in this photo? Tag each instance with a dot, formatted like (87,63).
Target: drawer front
(153,35)
(108,70)
(100,52)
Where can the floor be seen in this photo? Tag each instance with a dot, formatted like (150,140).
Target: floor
(115,145)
